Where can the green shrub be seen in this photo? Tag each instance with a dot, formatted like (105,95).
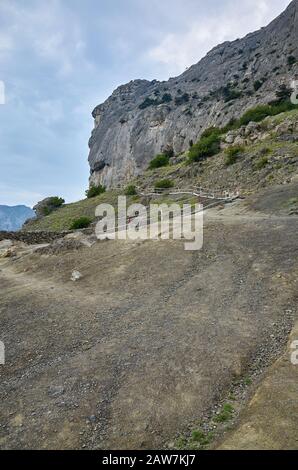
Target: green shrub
(261,163)
(164,184)
(46,211)
(51,204)
(211,131)
(147,102)
(81,222)
(56,201)
(159,161)
(256,114)
(257,85)
(232,154)
(201,437)
(166,98)
(229,93)
(280,105)
(283,95)
(95,191)
(182,99)
(130,190)
(169,152)
(291,60)
(205,147)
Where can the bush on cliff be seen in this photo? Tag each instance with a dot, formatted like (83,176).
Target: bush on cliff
(48,205)
(56,201)
(159,161)
(95,191)
(207,146)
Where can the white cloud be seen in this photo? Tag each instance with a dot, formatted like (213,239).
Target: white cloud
(6,43)
(48,30)
(12,197)
(178,50)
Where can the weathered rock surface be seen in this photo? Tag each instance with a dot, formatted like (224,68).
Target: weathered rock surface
(47,205)
(142,118)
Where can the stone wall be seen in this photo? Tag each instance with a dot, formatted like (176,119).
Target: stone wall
(32,238)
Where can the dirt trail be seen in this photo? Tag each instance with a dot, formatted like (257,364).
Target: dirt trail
(143,346)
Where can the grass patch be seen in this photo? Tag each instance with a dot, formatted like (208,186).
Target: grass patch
(247,381)
(62,218)
(293,201)
(261,163)
(232,153)
(200,437)
(198,440)
(130,190)
(225,414)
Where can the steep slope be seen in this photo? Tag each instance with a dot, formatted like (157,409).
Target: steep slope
(12,218)
(268,156)
(143,118)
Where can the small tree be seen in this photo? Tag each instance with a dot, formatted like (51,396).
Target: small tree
(291,60)
(159,161)
(205,147)
(95,191)
(283,94)
(56,201)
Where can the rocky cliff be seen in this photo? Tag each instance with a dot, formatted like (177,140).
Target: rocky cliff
(143,118)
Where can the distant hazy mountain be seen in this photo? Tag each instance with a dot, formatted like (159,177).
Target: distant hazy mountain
(12,218)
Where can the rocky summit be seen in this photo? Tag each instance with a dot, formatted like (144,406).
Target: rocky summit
(143,118)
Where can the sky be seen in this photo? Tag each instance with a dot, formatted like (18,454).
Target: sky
(61,58)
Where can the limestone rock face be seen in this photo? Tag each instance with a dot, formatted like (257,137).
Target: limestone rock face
(143,118)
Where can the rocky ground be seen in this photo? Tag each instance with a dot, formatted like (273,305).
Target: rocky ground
(149,342)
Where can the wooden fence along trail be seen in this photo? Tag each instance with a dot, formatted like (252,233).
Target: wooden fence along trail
(217,196)
(196,191)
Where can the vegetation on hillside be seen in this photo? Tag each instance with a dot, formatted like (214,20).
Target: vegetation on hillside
(95,191)
(81,222)
(159,161)
(164,184)
(207,146)
(232,153)
(261,164)
(130,190)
